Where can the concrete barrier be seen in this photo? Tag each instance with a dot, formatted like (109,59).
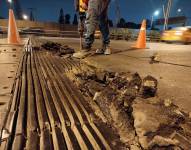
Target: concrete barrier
(54,28)
(35,24)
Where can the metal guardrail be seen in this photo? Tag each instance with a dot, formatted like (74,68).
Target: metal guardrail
(132,34)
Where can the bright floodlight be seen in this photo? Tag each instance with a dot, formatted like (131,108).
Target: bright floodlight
(156,13)
(10,1)
(25,17)
(179,10)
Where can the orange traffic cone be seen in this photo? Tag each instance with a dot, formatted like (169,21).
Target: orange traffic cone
(141,41)
(13,34)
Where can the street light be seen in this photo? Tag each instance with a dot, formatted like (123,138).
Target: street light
(155,14)
(10,3)
(25,17)
(179,10)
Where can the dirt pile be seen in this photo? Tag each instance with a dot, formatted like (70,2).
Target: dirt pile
(58,48)
(130,104)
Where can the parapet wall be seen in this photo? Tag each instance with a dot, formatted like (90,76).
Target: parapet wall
(44,25)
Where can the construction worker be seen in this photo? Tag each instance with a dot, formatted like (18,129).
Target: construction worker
(96,14)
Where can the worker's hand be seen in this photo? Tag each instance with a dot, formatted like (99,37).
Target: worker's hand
(84,6)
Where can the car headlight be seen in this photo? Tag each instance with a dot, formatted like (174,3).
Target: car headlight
(179,33)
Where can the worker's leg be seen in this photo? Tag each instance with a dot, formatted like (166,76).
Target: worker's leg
(91,21)
(91,24)
(104,28)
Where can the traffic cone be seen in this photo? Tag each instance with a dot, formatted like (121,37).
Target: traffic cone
(141,41)
(13,34)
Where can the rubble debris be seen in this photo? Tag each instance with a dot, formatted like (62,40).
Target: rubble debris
(51,46)
(149,87)
(115,116)
(58,48)
(96,95)
(161,142)
(66,50)
(141,124)
(36,48)
(155,58)
(101,76)
(155,124)
(184,143)
(167,102)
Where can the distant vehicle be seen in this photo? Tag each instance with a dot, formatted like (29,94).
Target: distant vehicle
(178,34)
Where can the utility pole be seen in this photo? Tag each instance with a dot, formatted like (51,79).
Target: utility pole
(167,13)
(117,12)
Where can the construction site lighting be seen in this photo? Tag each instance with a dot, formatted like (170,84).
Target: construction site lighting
(156,13)
(25,17)
(179,10)
(10,1)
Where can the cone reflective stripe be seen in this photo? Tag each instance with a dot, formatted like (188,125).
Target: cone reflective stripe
(13,34)
(141,41)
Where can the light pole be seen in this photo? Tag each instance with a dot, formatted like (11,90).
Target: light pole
(155,14)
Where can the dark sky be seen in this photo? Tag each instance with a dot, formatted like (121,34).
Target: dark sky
(131,10)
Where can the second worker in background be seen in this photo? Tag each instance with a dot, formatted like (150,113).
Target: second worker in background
(96,14)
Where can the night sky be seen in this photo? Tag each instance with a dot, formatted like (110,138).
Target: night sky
(131,10)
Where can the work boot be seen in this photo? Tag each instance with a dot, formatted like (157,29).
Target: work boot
(104,50)
(101,50)
(107,50)
(82,53)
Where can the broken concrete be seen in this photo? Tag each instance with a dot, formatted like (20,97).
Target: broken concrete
(149,87)
(155,123)
(130,105)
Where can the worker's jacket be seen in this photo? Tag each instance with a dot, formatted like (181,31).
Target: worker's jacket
(77,4)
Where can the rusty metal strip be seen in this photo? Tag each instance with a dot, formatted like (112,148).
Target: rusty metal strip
(77,96)
(32,123)
(40,106)
(19,141)
(52,113)
(74,127)
(75,108)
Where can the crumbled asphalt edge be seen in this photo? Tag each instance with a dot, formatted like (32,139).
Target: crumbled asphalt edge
(58,48)
(97,83)
(107,82)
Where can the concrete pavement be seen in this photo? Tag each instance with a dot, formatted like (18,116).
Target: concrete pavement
(9,61)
